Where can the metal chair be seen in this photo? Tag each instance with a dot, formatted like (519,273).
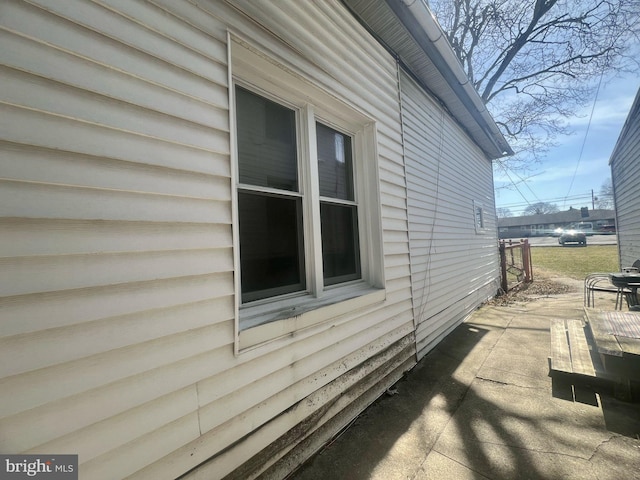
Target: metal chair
(600,282)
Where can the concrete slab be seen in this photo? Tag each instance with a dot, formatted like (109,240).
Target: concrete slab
(482,405)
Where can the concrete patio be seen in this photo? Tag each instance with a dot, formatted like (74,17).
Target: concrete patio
(482,405)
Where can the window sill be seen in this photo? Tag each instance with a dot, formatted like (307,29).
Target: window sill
(265,323)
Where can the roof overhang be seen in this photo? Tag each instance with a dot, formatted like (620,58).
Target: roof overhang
(408,29)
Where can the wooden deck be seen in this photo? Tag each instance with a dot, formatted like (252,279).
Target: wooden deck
(598,348)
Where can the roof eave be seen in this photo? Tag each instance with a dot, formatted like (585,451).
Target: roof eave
(446,79)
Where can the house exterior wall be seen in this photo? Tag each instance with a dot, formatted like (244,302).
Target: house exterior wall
(119,329)
(625,178)
(454,262)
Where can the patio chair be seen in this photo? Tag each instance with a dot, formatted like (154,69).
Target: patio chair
(601,282)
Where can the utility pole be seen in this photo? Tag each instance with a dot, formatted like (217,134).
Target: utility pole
(593,201)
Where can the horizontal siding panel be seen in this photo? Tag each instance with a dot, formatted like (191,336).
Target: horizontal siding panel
(395,225)
(20,162)
(66,35)
(177,30)
(37,93)
(396,248)
(61,417)
(27,55)
(30,313)
(135,455)
(230,431)
(396,260)
(27,275)
(46,130)
(25,199)
(118,27)
(393,273)
(379,97)
(64,344)
(26,237)
(99,438)
(381,370)
(282,389)
(393,212)
(29,390)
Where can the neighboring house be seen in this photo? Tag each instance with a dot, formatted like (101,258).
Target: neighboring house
(228,227)
(625,178)
(544,224)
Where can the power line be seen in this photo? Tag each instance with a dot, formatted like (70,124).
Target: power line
(506,172)
(574,198)
(586,134)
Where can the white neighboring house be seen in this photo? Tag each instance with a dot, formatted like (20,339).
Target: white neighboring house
(625,178)
(228,226)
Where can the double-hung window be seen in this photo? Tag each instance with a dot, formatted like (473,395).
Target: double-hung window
(269,198)
(307,222)
(273,196)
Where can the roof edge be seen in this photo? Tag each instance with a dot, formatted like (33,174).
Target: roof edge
(420,22)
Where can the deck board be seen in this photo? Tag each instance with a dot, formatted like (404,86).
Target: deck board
(560,353)
(581,361)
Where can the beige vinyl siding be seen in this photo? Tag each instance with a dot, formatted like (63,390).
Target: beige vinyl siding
(625,177)
(116,249)
(453,268)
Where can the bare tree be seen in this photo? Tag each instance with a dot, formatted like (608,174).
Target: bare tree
(605,197)
(535,63)
(540,207)
(503,212)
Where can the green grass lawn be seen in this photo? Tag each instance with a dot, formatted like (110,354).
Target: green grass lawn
(576,262)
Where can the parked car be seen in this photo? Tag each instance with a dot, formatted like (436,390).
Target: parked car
(557,232)
(586,227)
(573,236)
(606,229)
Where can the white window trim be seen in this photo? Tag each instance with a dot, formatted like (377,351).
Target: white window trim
(284,317)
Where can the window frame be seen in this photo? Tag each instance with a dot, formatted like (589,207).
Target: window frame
(269,319)
(479,212)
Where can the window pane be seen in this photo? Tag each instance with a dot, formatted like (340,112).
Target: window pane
(267,154)
(334,163)
(340,250)
(479,219)
(271,245)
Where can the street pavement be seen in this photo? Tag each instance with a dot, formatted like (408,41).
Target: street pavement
(592,240)
(482,405)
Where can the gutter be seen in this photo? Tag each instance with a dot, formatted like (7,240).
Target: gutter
(420,23)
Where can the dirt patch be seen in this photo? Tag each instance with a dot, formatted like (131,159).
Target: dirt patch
(544,285)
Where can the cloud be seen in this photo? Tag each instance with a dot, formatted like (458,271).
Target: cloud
(611,109)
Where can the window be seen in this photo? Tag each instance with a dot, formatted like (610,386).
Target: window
(270,201)
(338,210)
(307,228)
(479,221)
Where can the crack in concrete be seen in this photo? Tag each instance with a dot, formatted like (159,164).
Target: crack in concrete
(600,445)
(506,383)
(519,447)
